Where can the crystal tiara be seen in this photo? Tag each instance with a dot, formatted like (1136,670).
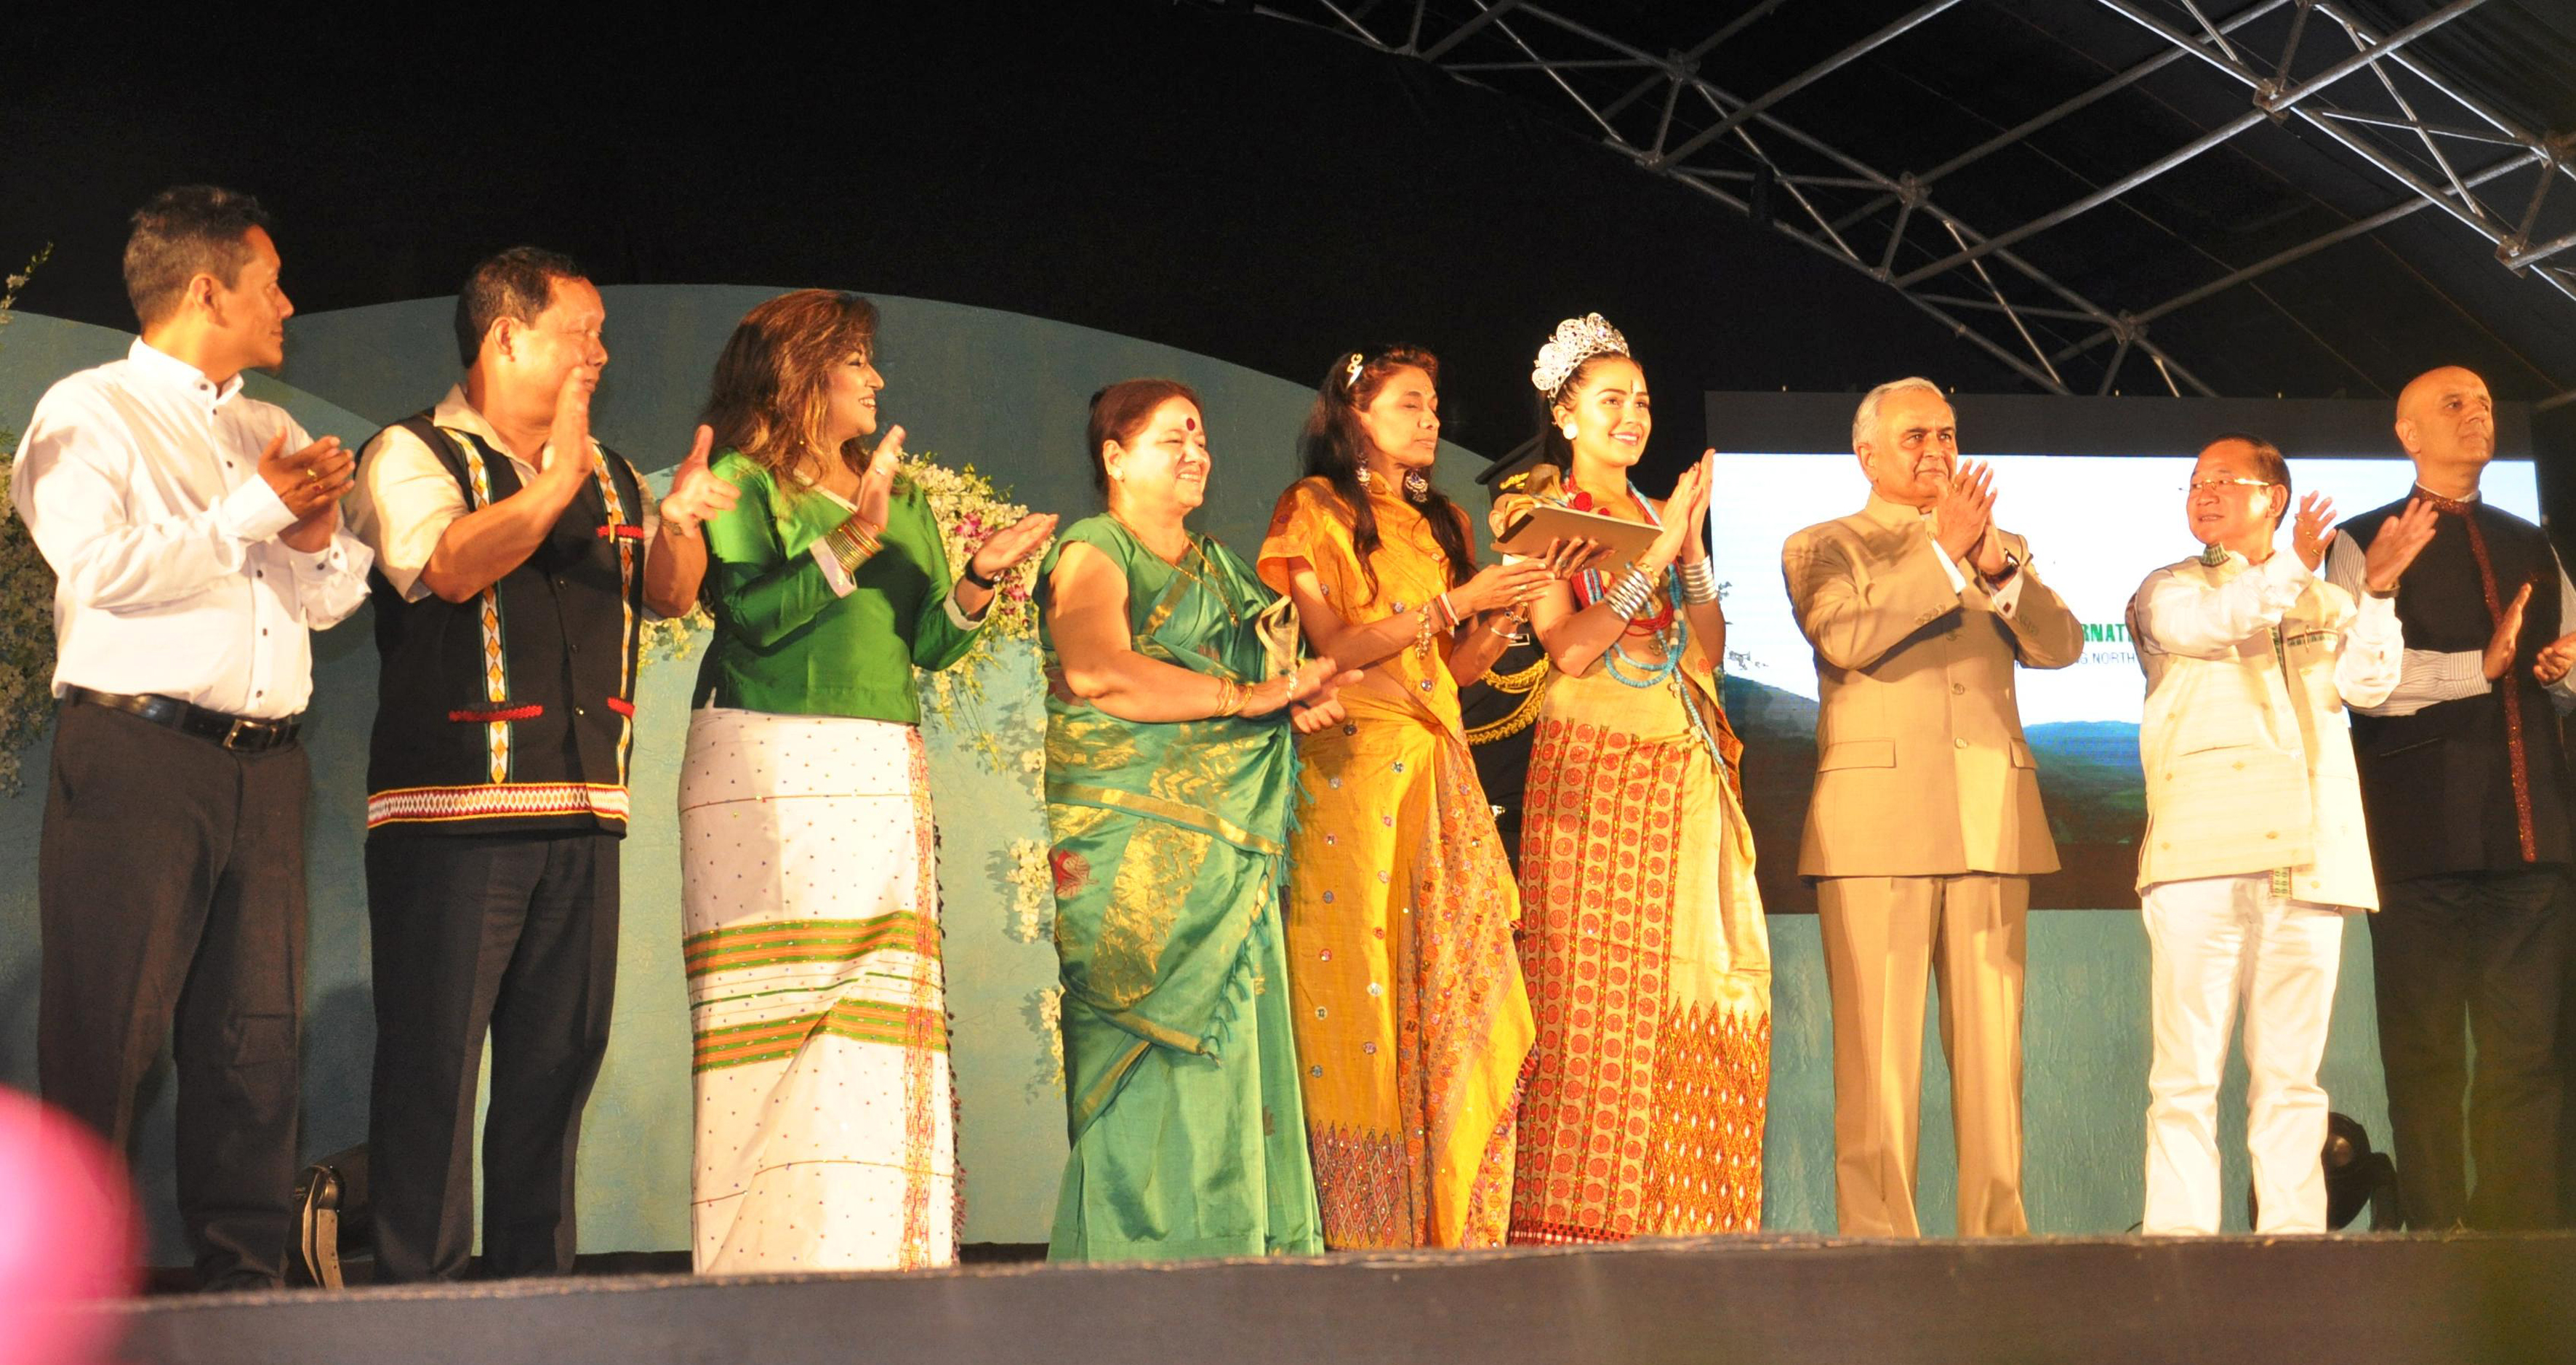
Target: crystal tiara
(1576,340)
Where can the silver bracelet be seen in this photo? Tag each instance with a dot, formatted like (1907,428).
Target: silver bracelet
(1699,583)
(1628,597)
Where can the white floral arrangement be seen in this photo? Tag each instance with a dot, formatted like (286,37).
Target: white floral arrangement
(1046,1015)
(1032,879)
(26,602)
(970,511)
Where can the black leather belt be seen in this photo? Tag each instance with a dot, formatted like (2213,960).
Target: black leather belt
(241,734)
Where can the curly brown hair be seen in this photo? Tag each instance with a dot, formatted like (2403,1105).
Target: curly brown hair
(771,396)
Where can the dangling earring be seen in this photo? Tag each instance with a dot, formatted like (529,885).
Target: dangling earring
(1365,478)
(1568,429)
(1416,487)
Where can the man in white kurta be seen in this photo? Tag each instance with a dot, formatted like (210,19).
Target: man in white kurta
(2254,849)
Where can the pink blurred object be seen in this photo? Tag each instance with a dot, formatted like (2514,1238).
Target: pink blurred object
(67,1237)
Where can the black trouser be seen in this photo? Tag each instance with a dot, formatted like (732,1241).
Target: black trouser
(2462,957)
(170,890)
(514,934)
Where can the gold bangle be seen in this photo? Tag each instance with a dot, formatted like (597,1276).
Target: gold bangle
(1230,697)
(852,544)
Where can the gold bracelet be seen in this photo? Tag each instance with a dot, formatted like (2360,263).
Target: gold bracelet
(852,544)
(1422,634)
(1230,696)
(845,552)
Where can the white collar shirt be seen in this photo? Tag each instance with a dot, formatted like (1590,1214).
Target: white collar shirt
(406,498)
(139,482)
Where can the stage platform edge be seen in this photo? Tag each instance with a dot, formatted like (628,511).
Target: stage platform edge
(1746,1300)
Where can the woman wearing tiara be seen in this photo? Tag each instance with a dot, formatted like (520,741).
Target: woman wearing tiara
(1412,1025)
(1648,965)
(1173,686)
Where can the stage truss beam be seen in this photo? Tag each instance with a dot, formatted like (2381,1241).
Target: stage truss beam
(2312,65)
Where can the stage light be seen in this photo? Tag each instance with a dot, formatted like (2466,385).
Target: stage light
(2356,1178)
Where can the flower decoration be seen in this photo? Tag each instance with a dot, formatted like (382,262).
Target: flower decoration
(1046,1014)
(26,602)
(1033,881)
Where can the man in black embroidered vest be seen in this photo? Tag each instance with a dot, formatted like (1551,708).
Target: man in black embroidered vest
(515,558)
(2466,792)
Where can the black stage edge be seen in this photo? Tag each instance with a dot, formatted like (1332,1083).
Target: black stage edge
(2274,1301)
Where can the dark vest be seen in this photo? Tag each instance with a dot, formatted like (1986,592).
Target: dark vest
(513,711)
(2438,786)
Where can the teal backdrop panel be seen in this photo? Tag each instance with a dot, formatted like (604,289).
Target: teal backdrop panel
(1007,394)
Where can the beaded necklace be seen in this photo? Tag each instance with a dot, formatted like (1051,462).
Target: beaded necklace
(1664,625)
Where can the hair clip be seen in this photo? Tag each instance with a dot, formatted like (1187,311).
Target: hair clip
(1351,372)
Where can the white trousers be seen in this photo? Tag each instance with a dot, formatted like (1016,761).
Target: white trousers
(2215,941)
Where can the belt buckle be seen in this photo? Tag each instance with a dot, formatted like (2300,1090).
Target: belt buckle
(239,725)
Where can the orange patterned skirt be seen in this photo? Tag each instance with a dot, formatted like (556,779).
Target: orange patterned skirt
(1649,971)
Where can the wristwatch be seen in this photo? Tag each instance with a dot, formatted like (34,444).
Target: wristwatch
(2012,565)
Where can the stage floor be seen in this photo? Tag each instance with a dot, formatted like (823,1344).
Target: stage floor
(2275,1301)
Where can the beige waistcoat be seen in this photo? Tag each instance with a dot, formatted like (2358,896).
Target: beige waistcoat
(2248,757)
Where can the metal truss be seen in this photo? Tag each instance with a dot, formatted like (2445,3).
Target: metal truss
(2354,93)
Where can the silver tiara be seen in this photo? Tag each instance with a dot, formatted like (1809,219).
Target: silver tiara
(1576,340)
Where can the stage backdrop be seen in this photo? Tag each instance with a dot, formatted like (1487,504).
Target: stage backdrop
(1006,393)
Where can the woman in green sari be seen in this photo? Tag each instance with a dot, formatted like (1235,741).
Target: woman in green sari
(1173,690)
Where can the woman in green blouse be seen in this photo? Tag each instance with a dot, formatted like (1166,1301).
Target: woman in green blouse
(1174,686)
(810,901)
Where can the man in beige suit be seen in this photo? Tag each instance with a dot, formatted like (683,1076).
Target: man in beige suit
(1925,825)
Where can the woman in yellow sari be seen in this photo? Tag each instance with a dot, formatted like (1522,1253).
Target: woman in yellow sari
(1648,962)
(1411,1021)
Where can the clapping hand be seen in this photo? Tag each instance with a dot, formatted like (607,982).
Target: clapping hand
(1962,512)
(1312,695)
(2508,634)
(1013,543)
(567,452)
(1695,540)
(311,483)
(876,483)
(1688,502)
(697,495)
(2313,530)
(2554,659)
(2398,541)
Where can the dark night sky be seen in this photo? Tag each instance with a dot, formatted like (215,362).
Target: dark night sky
(1192,174)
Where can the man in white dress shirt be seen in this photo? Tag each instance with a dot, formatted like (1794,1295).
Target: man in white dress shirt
(2254,849)
(195,535)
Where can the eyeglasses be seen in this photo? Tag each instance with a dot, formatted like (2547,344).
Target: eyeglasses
(2197,485)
